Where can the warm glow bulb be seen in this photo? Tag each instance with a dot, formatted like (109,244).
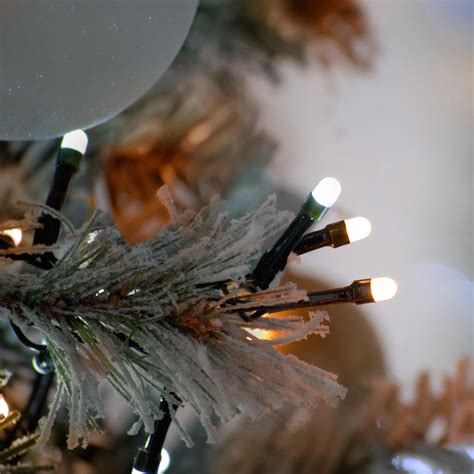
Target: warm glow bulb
(15,234)
(327,191)
(357,228)
(383,289)
(76,140)
(4,409)
(262,334)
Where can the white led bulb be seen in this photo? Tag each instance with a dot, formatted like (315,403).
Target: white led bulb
(327,191)
(76,140)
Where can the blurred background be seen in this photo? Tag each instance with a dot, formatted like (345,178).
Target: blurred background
(400,140)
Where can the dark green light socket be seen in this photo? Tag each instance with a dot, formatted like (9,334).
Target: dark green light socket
(313,209)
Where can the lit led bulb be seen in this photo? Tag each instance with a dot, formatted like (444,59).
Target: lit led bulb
(262,334)
(165,461)
(15,234)
(4,409)
(383,288)
(327,191)
(76,140)
(357,228)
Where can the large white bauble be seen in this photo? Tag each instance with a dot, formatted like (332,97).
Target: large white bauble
(67,64)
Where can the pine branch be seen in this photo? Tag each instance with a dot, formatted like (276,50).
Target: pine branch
(24,468)
(148,319)
(19,447)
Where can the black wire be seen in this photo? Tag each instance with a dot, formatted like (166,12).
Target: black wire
(148,458)
(37,402)
(31,259)
(67,164)
(23,339)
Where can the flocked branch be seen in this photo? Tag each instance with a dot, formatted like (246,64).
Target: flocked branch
(149,320)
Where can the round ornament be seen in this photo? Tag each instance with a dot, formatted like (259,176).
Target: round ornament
(67,64)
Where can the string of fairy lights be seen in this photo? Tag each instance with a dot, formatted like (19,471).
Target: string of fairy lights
(295,239)
(70,153)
